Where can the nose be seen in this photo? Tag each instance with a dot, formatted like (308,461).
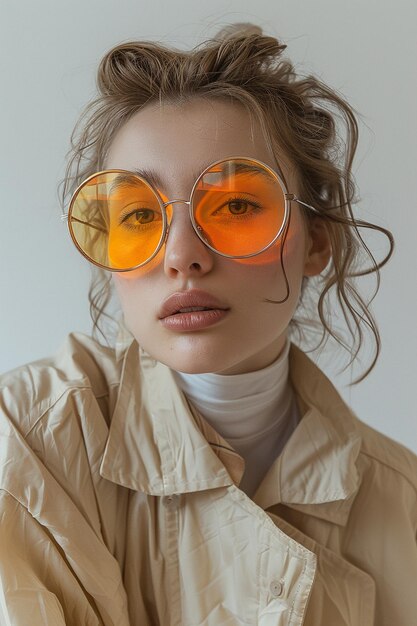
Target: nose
(185,253)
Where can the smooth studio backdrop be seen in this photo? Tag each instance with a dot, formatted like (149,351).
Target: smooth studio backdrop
(49,54)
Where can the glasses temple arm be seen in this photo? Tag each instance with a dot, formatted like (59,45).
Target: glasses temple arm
(292,198)
(64,218)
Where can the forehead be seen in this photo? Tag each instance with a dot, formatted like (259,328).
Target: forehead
(175,142)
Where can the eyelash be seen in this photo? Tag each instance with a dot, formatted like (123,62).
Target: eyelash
(125,216)
(257,207)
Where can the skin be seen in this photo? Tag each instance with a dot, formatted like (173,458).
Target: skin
(178,142)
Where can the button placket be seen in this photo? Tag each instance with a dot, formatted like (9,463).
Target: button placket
(171,502)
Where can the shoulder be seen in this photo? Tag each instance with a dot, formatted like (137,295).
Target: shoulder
(385,502)
(387,456)
(379,453)
(54,420)
(29,391)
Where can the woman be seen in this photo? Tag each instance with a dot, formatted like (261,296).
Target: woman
(205,471)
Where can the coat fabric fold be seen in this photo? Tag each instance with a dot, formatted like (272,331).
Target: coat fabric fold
(120,505)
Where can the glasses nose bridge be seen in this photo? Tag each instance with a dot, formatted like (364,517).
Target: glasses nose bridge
(176,201)
(168,222)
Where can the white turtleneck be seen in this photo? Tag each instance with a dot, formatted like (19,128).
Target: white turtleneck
(255,412)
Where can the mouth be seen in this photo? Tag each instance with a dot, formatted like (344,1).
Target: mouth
(193,318)
(192,309)
(193,301)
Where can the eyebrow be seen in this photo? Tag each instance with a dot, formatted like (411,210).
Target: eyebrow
(155,179)
(150,175)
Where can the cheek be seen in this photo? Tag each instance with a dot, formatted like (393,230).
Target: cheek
(268,265)
(266,276)
(133,285)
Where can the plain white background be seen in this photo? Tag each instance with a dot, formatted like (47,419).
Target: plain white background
(49,53)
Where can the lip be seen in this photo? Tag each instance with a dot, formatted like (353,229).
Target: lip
(190,298)
(194,320)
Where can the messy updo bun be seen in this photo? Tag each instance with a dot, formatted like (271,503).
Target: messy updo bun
(300,116)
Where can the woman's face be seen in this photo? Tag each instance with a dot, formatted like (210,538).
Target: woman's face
(177,142)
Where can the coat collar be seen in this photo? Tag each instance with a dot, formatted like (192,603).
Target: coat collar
(315,473)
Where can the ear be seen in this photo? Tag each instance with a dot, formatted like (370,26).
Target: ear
(318,247)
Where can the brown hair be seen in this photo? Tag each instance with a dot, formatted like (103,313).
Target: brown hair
(312,123)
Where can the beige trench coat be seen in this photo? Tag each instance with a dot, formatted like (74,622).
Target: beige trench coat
(120,505)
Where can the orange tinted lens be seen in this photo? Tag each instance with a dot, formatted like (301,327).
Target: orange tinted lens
(116,220)
(239,207)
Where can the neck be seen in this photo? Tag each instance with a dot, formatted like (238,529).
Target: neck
(241,407)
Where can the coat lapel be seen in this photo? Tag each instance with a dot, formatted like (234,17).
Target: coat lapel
(315,473)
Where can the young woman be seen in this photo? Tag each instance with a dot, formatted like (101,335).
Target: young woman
(204,470)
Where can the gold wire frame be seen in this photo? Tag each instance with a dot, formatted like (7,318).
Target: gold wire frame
(289,197)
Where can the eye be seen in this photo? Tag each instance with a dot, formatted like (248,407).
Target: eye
(142,216)
(139,217)
(238,207)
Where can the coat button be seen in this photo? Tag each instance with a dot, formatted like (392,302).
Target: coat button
(171,502)
(276,588)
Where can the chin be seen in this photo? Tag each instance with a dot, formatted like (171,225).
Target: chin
(193,363)
(187,366)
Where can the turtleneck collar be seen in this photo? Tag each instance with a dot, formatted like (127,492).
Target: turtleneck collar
(242,408)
